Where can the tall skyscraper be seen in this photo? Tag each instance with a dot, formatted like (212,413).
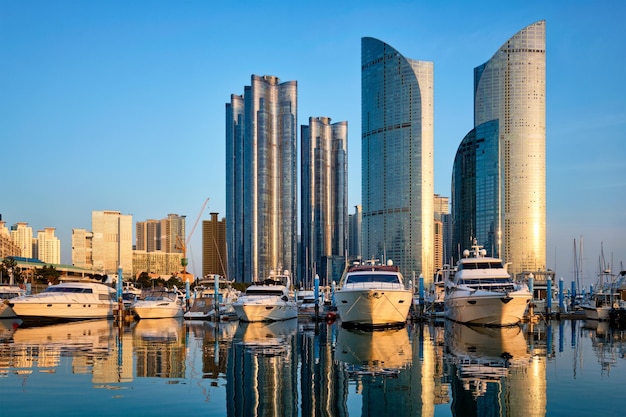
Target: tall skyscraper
(214,246)
(112,242)
(355,222)
(397,158)
(324,202)
(261,175)
(499,175)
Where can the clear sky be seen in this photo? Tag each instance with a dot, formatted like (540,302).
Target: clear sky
(117,105)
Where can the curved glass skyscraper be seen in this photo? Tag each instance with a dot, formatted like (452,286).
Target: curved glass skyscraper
(499,174)
(261,199)
(397,158)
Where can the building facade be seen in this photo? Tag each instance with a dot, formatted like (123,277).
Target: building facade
(22,236)
(112,242)
(355,222)
(48,246)
(324,197)
(159,247)
(82,248)
(499,174)
(397,158)
(7,246)
(261,175)
(214,246)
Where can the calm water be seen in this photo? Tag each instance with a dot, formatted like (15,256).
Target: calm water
(174,367)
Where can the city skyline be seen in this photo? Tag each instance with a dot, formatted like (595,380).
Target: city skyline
(120,107)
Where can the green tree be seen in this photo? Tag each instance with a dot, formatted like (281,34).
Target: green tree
(47,274)
(9,266)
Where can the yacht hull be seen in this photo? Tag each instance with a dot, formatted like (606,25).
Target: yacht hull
(145,310)
(487,308)
(265,309)
(65,310)
(373,306)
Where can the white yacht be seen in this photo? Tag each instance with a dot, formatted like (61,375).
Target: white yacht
(8,292)
(604,298)
(373,295)
(159,304)
(481,291)
(270,300)
(68,300)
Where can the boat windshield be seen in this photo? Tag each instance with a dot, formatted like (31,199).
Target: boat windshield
(73,290)
(263,291)
(485,281)
(481,265)
(359,278)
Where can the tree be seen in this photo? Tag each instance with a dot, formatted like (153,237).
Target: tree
(47,274)
(9,266)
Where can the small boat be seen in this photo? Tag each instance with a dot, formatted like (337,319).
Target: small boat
(204,302)
(8,292)
(481,291)
(604,298)
(373,295)
(159,304)
(69,301)
(306,303)
(269,300)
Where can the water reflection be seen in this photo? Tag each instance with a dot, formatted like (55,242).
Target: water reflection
(305,368)
(376,352)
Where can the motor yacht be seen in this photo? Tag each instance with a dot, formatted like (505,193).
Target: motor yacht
(481,291)
(68,300)
(373,295)
(159,304)
(269,300)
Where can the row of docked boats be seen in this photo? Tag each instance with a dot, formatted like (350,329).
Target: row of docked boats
(479,290)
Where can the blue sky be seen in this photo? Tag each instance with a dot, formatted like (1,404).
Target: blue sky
(121,105)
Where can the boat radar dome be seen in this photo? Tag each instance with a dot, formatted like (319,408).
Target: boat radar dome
(465,253)
(483,252)
(389,262)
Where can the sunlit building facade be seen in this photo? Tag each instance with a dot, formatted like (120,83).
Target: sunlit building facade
(499,173)
(112,244)
(214,246)
(261,175)
(48,246)
(324,192)
(397,158)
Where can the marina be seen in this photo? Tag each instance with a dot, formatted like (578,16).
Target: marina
(300,367)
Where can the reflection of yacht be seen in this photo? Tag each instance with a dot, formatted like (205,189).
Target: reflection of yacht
(370,351)
(485,354)
(8,292)
(159,330)
(373,295)
(481,291)
(159,304)
(270,300)
(83,336)
(68,300)
(267,338)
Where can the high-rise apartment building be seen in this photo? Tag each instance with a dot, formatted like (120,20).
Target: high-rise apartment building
(158,246)
(82,249)
(261,175)
(440,211)
(397,158)
(214,246)
(22,236)
(112,242)
(7,246)
(499,174)
(324,197)
(48,246)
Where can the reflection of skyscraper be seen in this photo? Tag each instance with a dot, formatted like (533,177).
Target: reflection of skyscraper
(499,176)
(261,200)
(324,220)
(397,158)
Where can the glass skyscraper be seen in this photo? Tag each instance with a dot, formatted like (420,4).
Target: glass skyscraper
(324,203)
(499,174)
(397,158)
(261,200)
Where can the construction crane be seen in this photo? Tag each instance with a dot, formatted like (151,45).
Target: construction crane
(182,246)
